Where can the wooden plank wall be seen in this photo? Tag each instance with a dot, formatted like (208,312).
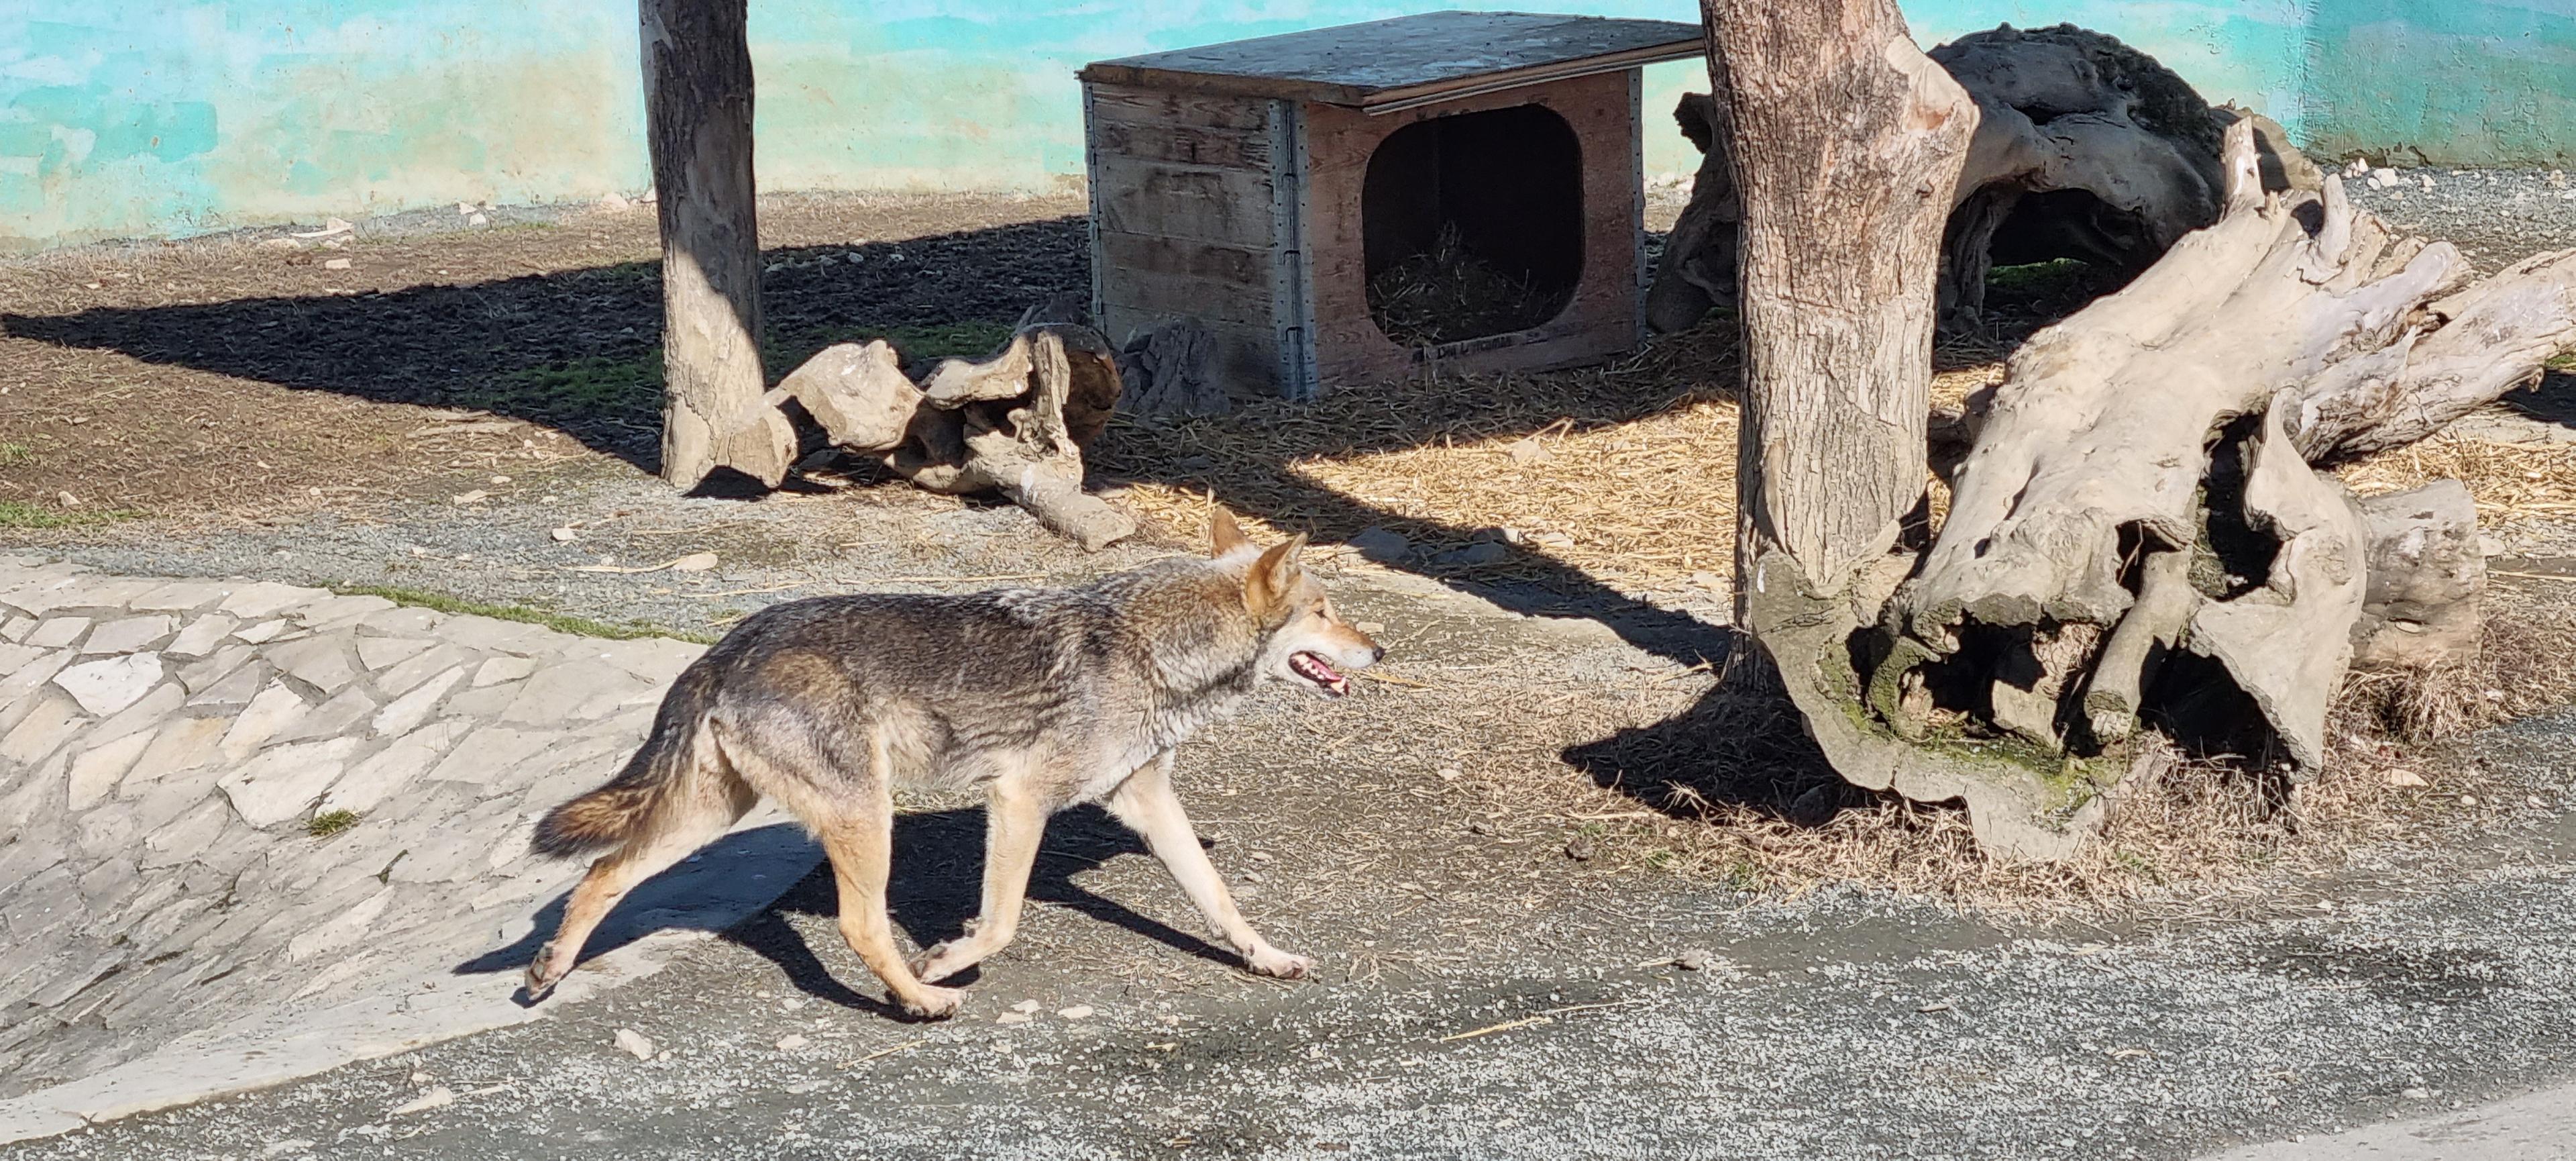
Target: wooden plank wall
(1184,192)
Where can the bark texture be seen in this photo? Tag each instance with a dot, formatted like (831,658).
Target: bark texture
(1845,142)
(698,105)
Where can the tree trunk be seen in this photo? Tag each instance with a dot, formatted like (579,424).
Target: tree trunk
(697,109)
(1845,142)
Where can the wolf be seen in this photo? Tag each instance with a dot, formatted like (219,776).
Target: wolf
(1040,698)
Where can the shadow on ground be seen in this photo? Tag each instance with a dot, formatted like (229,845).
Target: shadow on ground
(580,350)
(935,888)
(2553,401)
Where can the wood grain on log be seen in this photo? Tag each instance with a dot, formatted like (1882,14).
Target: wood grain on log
(2084,148)
(1014,423)
(2145,468)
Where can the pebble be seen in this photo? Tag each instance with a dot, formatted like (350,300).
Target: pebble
(635,1043)
(1025,1006)
(1076,1012)
(1696,959)
(791,1042)
(436,1098)
(1014,1018)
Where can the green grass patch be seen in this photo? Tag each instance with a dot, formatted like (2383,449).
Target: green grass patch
(2564,363)
(331,822)
(2061,278)
(582,388)
(600,387)
(16,455)
(14,514)
(559,622)
(969,340)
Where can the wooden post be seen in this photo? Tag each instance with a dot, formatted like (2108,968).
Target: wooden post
(697,106)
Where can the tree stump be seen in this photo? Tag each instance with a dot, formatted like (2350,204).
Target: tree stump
(2085,148)
(2136,533)
(1013,424)
(697,107)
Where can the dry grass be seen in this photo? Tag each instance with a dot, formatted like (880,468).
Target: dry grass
(1625,473)
(2513,482)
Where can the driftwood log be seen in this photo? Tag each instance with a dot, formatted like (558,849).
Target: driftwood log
(2085,148)
(2137,533)
(1013,424)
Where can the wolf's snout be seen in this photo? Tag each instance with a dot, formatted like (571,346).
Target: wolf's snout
(1377,653)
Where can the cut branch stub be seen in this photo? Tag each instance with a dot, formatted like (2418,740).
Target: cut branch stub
(2427,572)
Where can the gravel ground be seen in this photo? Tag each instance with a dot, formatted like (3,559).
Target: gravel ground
(1836,1026)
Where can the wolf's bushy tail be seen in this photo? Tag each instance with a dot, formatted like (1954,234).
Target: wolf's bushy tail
(622,810)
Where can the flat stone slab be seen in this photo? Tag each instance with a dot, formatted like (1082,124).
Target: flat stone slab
(269,830)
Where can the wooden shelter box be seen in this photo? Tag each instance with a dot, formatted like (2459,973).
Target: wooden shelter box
(1263,187)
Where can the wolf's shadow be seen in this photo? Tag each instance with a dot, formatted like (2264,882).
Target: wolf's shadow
(937,885)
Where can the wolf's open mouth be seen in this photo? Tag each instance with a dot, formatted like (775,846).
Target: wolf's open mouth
(1325,677)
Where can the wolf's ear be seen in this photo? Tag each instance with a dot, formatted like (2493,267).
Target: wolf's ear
(1224,534)
(1274,576)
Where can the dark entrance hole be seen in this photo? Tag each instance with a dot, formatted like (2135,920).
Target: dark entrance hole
(1472,225)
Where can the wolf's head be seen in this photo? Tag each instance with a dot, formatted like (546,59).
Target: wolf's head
(1303,641)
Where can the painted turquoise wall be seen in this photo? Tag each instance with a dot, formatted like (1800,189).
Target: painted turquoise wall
(123,118)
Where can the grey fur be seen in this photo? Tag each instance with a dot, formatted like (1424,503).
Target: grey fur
(1041,697)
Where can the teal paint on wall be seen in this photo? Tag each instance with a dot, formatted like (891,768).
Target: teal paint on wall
(125,118)
(2449,84)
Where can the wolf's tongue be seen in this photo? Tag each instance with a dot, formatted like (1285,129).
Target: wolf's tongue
(1316,668)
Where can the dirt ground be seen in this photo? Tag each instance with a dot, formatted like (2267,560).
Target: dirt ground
(1543,797)
(238,375)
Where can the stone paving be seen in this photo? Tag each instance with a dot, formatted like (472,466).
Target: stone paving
(249,830)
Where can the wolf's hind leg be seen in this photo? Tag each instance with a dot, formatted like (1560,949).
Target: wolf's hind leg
(1145,802)
(1014,821)
(692,815)
(856,824)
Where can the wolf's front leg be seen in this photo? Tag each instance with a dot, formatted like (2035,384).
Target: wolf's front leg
(1145,802)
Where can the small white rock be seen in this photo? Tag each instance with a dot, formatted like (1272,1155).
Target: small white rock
(790,1042)
(2405,778)
(1025,1006)
(694,562)
(2468,800)
(1076,1012)
(476,496)
(565,535)
(335,264)
(635,1044)
(1013,1018)
(436,1098)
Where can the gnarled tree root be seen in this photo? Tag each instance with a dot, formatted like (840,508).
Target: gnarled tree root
(2137,536)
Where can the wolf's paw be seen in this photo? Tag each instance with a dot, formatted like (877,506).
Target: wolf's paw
(935,1003)
(540,979)
(942,961)
(1270,961)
